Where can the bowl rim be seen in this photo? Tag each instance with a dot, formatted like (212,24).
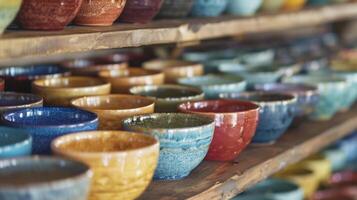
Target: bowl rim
(27,140)
(61,73)
(234,80)
(106,74)
(37,100)
(170,64)
(286,98)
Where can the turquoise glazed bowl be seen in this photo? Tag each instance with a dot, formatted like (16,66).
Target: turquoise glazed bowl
(332,92)
(277,189)
(349,146)
(208,8)
(351,96)
(243,7)
(12,101)
(318,2)
(14,143)
(43,178)
(252,197)
(46,123)
(213,85)
(336,156)
(276,113)
(184,140)
(8,11)
(258,57)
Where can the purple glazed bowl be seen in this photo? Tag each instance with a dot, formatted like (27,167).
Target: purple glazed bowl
(140,11)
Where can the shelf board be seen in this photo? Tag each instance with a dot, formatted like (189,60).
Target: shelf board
(224,180)
(33,45)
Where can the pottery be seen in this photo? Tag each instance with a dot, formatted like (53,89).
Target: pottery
(336,156)
(175,8)
(339,193)
(243,7)
(123,163)
(258,57)
(272,6)
(252,197)
(13,101)
(14,143)
(318,2)
(123,80)
(320,165)
(351,96)
(2,85)
(307,96)
(332,91)
(276,113)
(349,146)
(293,5)
(168,97)
(60,91)
(235,122)
(208,55)
(208,8)
(184,140)
(112,109)
(175,69)
(213,85)
(140,11)
(43,178)
(99,12)
(277,189)
(8,11)
(46,123)
(19,79)
(47,15)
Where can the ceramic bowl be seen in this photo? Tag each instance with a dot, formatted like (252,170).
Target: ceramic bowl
(243,7)
(184,140)
(175,8)
(46,123)
(331,89)
(349,146)
(258,57)
(2,85)
(307,96)
(208,8)
(140,11)
(13,101)
(339,193)
(8,11)
(123,80)
(318,2)
(351,96)
(175,69)
(336,156)
(19,79)
(293,5)
(168,97)
(60,91)
(275,115)
(111,109)
(277,189)
(320,165)
(272,6)
(14,143)
(39,178)
(49,15)
(99,12)
(252,197)
(343,178)
(208,55)
(123,163)
(213,85)
(235,122)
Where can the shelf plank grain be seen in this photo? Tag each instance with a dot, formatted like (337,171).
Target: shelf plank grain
(224,180)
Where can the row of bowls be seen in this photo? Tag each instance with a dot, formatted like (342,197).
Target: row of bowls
(39,15)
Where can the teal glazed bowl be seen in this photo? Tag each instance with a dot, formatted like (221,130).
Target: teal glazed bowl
(332,92)
(208,8)
(14,143)
(258,57)
(12,101)
(8,11)
(277,189)
(243,7)
(43,178)
(184,140)
(351,96)
(213,85)
(336,156)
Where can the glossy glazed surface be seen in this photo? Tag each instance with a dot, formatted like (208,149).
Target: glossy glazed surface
(140,11)
(208,8)
(12,101)
(14,143)
(175,8)
(293,5)
(111,109)
(336,156)
(46,123)
(235,122)
(349,146)
(243,7)
(8,11)
(272,6)
(123,163)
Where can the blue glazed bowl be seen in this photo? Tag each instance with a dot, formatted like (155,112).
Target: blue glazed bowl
(208,8)
(184,140)
(277,189)
(332,92)
(14,143)
(349,146)
(46,123)
(243,7)
(12,101)
(252,197)
(276,113)
(213,85)
(336,156)
(43,178)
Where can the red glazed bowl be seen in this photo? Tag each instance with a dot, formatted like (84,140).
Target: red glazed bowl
(47,14)
(140,11)
(336,193)
(99,12)
(344,178)
(236,123)
(2,85)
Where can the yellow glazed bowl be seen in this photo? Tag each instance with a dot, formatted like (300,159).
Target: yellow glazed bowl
(293,5)
(60,91)
(8,11)
(320,166)
(111,109)
(123,163)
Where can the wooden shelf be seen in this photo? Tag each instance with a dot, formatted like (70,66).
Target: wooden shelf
(27,46)
(224,180)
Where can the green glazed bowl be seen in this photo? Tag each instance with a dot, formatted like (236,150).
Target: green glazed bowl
(8,11)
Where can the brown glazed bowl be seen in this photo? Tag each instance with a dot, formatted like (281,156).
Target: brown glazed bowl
(123,80)
(111,109)
(175,8)
(60,91)
(140,11)
(47,14)
(175,69)
(99,12)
